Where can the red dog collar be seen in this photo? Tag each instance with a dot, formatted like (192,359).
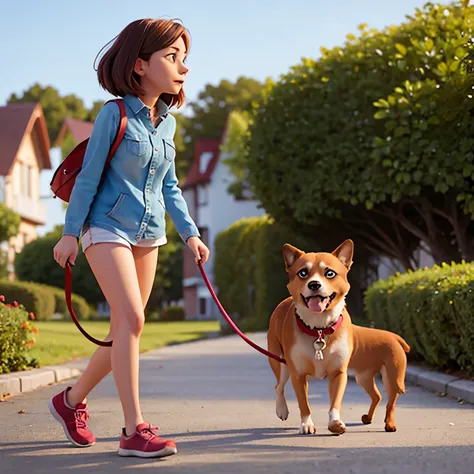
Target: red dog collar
(317,332)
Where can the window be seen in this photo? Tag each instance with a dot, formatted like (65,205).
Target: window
(202,306)
(202,195)
(25,179)
(204,161)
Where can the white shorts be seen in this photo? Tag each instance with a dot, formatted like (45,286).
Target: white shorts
(95,235)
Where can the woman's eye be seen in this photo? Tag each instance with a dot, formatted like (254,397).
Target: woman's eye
(303,273)
(173,57)
(330,274)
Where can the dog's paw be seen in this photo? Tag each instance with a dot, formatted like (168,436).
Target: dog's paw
(307,426)
(366,420)
(282,410)
(337,427)
(390,427)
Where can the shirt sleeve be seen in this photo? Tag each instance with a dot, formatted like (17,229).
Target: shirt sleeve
(88,179)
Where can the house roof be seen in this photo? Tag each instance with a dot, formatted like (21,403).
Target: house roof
(17,122)
(79,129)
(195,175)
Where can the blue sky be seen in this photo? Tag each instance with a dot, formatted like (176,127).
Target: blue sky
(55,42)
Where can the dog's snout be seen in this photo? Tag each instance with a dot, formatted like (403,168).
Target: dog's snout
(314,285)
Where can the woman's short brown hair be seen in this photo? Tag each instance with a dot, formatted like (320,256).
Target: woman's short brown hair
(139,39)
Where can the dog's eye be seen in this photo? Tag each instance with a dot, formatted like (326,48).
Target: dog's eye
(330,274)
(303,273)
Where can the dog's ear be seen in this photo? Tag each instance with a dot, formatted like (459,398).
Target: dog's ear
(345,252)
(290,255)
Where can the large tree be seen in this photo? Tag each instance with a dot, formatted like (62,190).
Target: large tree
(375,137)
(209,112)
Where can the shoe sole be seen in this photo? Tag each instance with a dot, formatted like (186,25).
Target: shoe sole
(58,418)
(168,451)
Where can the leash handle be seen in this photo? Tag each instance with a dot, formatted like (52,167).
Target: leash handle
(68,292)
(229,320)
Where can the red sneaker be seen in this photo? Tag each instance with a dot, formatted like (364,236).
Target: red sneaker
(73,420)
(145,443)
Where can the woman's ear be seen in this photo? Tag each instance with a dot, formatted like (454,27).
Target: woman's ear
(138,67)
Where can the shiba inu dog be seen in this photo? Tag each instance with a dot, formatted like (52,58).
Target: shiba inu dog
(313,330)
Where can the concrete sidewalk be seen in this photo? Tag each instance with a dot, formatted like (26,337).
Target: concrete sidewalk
(216,399)
(21,382)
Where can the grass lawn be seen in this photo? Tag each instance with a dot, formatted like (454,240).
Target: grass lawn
(61,341)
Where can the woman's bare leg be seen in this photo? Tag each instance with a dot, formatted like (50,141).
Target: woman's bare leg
(100,364)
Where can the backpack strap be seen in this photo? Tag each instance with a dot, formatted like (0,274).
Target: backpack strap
(68,281)
(118,136)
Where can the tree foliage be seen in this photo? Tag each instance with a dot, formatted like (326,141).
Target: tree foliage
(375,135)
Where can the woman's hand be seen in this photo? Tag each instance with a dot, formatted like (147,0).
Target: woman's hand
(66,249)
(200,251)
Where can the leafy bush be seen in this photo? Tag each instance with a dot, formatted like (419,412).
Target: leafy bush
(173,313)
(35,263)
(432,309)
(17,333)
(38,299)
(249,270)
(82,309)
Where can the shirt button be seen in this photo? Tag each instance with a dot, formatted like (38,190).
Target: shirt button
(143,224)
(152,171)
(148,209)
(156,149)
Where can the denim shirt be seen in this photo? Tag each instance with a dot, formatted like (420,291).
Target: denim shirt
(140,183)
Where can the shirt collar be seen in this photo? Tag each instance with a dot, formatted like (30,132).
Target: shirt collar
(137,105)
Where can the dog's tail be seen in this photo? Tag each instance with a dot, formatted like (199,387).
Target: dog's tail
(403,343)
(395,366)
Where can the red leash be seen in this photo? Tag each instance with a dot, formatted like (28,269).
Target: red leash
(232,324)
(68,291)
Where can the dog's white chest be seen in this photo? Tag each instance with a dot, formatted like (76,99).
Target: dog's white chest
(304,355)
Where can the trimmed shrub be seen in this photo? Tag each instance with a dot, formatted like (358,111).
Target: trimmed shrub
(173,313)
(82,309)
(249,270)
(432,309)
(35,298)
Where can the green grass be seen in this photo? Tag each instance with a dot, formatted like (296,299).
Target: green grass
(61,341)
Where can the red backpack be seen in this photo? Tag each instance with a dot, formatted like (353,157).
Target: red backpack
(64,177)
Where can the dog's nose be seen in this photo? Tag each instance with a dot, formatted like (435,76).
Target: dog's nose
(314,285)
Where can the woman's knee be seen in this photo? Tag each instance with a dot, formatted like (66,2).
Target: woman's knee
(134,321)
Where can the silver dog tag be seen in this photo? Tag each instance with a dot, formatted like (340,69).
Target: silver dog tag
(319,345)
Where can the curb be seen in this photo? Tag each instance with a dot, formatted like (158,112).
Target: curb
(438,383)
(28,380)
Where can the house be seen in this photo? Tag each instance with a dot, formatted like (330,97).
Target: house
(24,153)
(214,210)
(72,132)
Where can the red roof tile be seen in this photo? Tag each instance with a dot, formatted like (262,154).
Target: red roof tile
(17,121)
(80,130)
(195,176)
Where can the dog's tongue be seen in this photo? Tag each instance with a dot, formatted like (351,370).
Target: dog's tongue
(316,304)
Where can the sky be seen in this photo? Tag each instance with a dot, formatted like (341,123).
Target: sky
(55,42)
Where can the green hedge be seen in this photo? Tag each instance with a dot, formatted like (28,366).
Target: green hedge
(173,313)
(43,300)
(432,309)
(35,298)
(16,337)
(249,270)
(82,309)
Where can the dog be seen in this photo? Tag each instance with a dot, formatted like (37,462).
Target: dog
(313,331)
